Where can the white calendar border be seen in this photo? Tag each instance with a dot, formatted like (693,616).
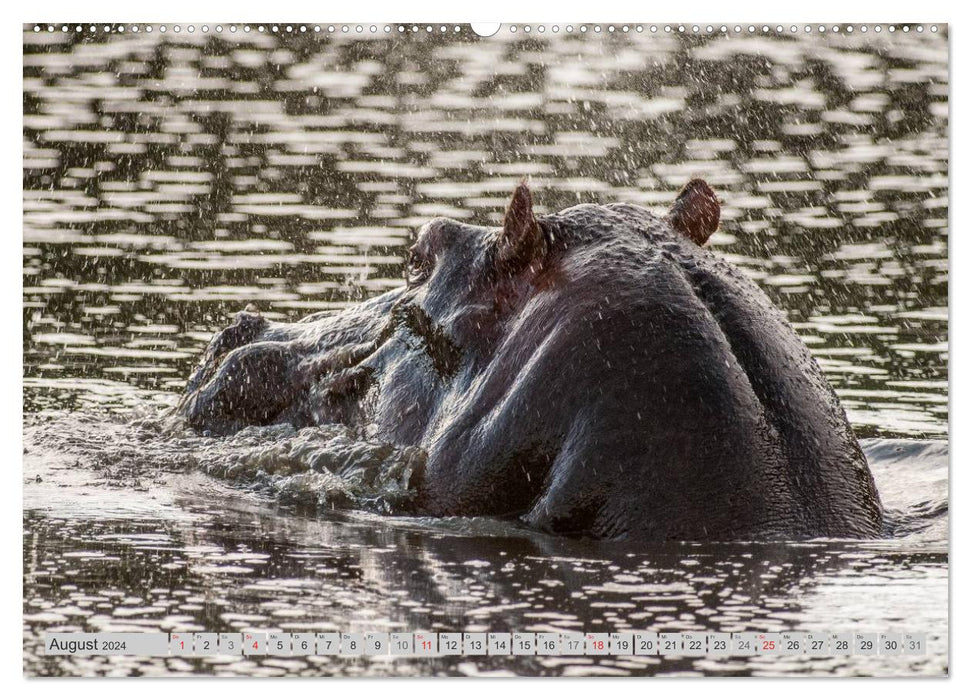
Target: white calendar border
(18,14)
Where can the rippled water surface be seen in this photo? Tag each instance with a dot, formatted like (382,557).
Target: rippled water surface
(169,180)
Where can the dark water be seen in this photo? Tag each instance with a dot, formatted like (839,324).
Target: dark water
(169,180)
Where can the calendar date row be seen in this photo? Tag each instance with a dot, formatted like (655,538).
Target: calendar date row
(438,644)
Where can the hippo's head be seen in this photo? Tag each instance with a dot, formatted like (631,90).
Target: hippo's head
(472,293)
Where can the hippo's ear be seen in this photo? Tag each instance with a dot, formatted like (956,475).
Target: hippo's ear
(696,212)
(521,241)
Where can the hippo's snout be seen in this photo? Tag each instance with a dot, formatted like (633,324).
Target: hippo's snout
(251,385)
(247,327)
(255,372)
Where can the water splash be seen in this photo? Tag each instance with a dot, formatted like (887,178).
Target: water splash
(330,466)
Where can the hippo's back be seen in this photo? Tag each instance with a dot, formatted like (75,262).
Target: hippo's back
(701,413)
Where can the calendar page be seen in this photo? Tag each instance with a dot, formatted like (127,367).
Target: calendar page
(397,349)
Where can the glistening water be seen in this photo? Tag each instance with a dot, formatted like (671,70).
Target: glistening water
(170,179)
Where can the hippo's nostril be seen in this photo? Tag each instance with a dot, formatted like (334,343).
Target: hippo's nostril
(337,360)
(349,383)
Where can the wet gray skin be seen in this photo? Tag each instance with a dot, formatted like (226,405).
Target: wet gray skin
(593,372)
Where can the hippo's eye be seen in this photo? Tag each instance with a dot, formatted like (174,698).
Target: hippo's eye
(419,268)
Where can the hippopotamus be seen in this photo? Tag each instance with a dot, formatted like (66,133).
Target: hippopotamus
(594,372)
